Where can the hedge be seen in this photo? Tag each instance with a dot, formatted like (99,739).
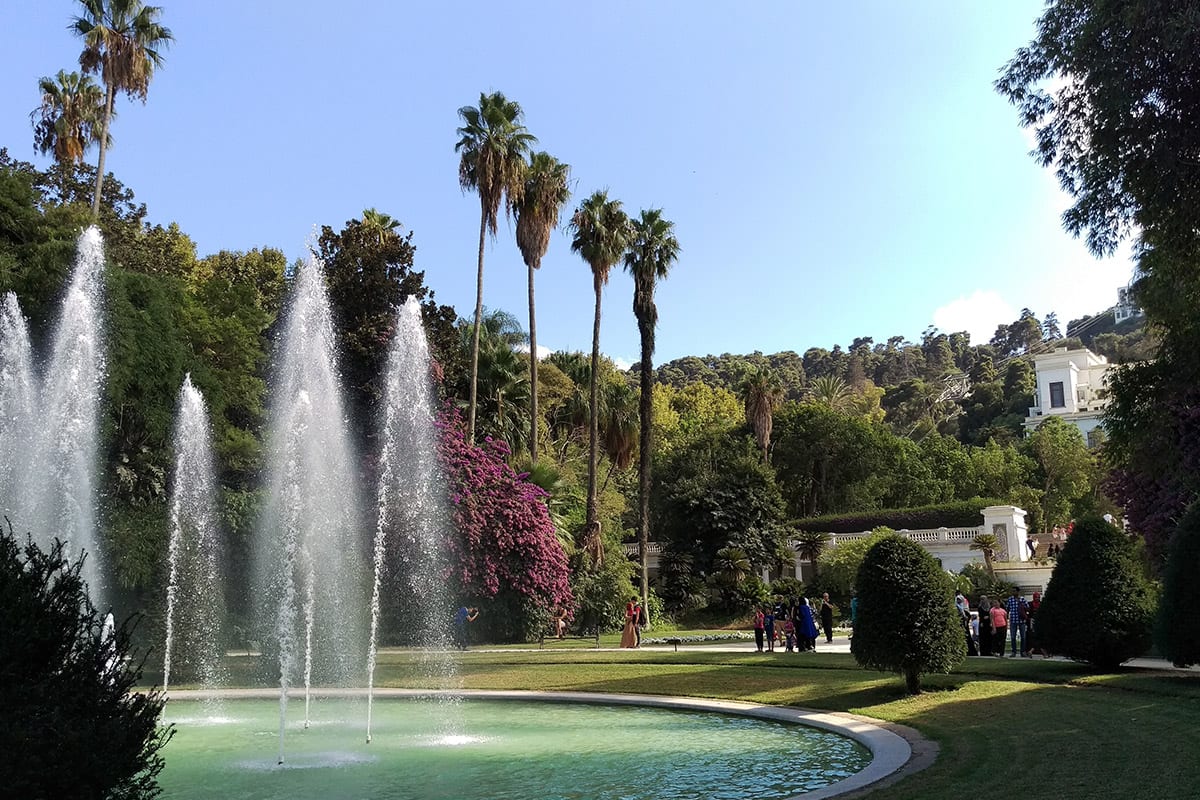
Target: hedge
(958,514)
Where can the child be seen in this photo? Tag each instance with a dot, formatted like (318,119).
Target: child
(789,633)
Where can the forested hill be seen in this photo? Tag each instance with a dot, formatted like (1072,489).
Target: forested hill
(891,363)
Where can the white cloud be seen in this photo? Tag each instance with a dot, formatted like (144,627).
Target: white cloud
(543,351)
(979,314)
(622,363)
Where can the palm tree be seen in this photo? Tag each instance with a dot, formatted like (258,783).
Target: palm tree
(544,192)
(492,145)
(653,249)
(601,234)
(832,392)
(68,120)
(762,392)
(122,41)
(810,545)
(987,543)
(381,224)
(620,425)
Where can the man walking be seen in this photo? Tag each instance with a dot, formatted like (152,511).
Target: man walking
(1016,625)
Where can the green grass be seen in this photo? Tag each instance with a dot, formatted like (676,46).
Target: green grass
(1021,728)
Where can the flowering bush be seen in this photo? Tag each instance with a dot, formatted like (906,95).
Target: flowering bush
(507,552)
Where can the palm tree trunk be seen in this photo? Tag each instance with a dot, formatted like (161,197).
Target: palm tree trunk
(646,420)
(533,365)
(475,333)
(108,105)
(594,415)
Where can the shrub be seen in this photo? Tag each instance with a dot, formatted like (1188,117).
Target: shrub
(959,514)
(839,565)
(1178,621)
(1098,607)
(72,726)
(786,587)
(906,620)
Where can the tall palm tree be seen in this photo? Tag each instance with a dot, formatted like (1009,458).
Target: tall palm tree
(653,249)
(123,42)
(620,425)
(67,122)
(543,193)
(762,392)
(382,225)
(600,231)
(492,144)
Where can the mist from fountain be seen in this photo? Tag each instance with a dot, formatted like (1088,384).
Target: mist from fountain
(412,517)
(195,601)
(53,427)
(18,399)
(310,565)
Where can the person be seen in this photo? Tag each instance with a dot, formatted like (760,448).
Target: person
(629,637)
(960,602)
(1016,627)
(759,626)
(463,616)
(639,619)
(827,617)
(999,628)
(985,625)
(853,607)
(560,622)
(1032,544)
(769,628)
(808,628)
(789,635)
(1031,643)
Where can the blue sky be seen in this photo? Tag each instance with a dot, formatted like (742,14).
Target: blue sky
(834,170)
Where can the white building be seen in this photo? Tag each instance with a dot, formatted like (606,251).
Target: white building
(1070,385)
(1125,308)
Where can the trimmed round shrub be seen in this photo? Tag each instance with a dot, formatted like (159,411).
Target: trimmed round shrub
(1098,607)
(906,622)
(1179,621)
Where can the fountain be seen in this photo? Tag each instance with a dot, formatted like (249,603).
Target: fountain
(194,551)
(52,427)
(411,506)
(309,558)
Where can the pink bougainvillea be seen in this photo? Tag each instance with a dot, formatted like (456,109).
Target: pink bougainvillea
(507,541)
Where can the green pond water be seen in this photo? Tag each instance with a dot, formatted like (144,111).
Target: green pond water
(476,749)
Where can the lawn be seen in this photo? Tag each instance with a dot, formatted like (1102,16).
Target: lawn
(1030,729)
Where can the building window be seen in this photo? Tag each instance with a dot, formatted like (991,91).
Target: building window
(1056,395)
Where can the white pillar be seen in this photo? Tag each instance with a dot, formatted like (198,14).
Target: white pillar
(1007,523)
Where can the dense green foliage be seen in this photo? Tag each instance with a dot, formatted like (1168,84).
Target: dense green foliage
(1099,606)
(72,727)
(906,621)
(960,513)
(1179,618)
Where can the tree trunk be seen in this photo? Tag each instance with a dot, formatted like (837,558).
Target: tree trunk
(478,321)
(912,680)
(593,415)
(533,367)
(108,105)
(646,415)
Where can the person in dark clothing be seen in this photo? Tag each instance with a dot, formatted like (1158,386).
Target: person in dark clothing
(985,625)
(827,617)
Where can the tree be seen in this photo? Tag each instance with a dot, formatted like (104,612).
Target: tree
(600,234)
(1098,607)
(1178,624)
(906,620)
(492,145)
(74,727)
(543,193)
(831,391)
(987,543)
(68,119)
(380,224)
(840,563)
(762,394)
(122,41)
(810,545)
(653,249)
(1066,465)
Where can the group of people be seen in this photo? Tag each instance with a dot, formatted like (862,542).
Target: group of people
(1014,620)
(792,624)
